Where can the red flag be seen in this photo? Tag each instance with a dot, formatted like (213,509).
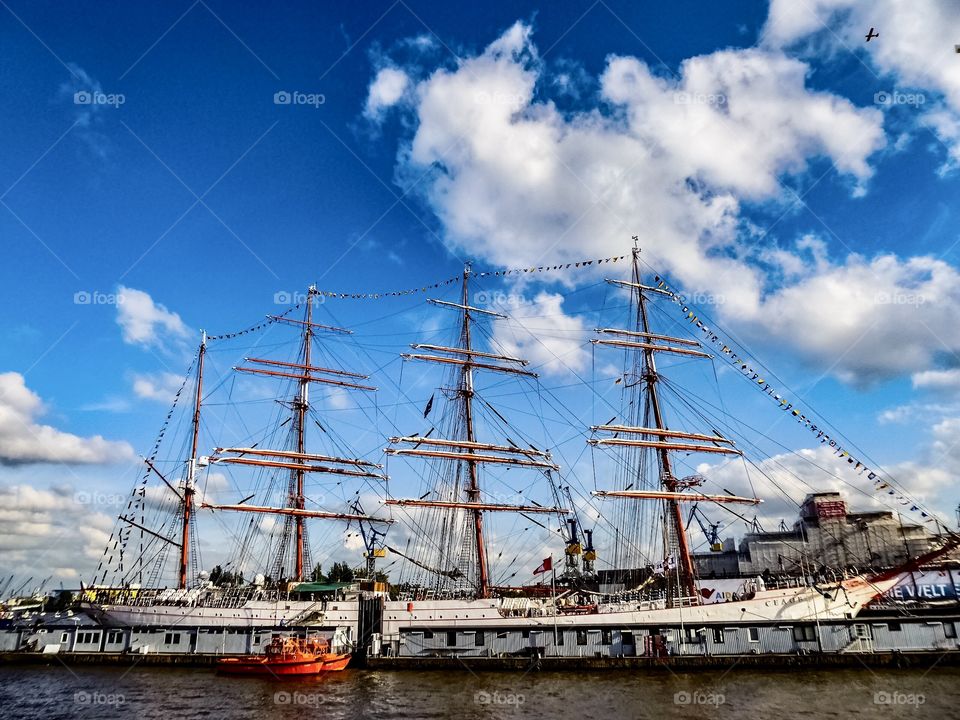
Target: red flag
(545,566)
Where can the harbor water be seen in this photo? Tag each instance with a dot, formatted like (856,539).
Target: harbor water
(58,691)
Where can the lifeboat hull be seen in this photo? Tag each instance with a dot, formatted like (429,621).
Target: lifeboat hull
(334,663)
(259,666)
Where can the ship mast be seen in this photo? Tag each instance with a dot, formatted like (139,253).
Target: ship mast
(302,406)
(189,488)
(659,436)
(469,449)
(676,533)
(298,461)
(473,494)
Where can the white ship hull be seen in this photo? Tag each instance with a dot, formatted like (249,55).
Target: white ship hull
(781,605)
(253,613)
(796,604)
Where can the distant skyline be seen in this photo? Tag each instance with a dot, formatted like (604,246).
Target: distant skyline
(172,167)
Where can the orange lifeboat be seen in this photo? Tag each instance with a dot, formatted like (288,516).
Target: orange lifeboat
(287,657)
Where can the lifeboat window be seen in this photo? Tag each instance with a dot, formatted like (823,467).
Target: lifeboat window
(560,637)
(428,634)
(526,634)
(451,638)
(171,639)
(804,632)
(581,637)
(949,630)
(606,637)
(753,634)
(626,638)
(479,638)
(718,635)
(893,627)
(64,637)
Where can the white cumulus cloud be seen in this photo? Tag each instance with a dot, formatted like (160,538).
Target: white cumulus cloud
(159,386)
(25,440)
(144,322)
(515,181)
(915,49)
(385,91)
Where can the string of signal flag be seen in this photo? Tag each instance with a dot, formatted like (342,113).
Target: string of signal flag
(743,364)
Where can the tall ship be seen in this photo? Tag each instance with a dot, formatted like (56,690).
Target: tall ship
(479,476)
(159,526)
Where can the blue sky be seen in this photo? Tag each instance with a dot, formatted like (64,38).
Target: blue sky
(757,154)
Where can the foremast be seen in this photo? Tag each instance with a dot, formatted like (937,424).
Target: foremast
(468,449)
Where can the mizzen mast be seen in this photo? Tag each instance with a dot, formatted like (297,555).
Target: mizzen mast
(298,461)
(189,485)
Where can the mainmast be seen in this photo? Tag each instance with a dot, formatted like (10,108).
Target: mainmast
(676,533)
(303,403)
(189,487)
(468,449)
(659,437)
(473,493)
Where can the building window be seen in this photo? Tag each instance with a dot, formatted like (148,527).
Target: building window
(626,638)
(526,634)
(606,637)
(581,637)
(893,627)
(559,637)
(501,636)
(803,633)
(451,638)
(949,630)
(690,635)
(64,637)
(479,639)
(428,634)
(171,639)
(718,635)
(753,634)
